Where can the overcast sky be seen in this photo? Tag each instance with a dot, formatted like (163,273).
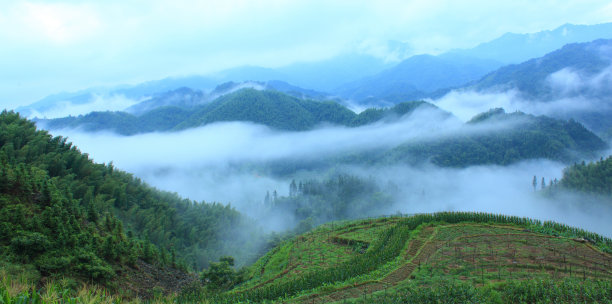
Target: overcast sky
(53,46)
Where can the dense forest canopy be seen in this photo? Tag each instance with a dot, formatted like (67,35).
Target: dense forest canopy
(595,177)
(533,137)
(66,215)
(267,107)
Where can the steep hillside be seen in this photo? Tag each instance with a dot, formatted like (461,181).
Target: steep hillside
(64,215)
(476,257)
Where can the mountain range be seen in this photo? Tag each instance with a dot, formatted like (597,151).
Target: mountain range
(574,82)
(272,108)
(361,78)
(431,76)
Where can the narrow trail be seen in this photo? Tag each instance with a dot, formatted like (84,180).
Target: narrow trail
(419,250)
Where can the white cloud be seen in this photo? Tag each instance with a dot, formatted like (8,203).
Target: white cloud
(573,93)
(568,81)
(51,46)
(226,163)
(59,23)
(236,142)
(97,103)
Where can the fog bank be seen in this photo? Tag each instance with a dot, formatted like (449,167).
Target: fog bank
(226,162)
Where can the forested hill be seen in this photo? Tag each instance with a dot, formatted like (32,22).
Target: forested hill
(270,108)
(61,214)
(531,137)
(594,177)
(267,107)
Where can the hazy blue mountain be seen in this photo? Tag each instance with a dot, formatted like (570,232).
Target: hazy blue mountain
(296,91)
(358,77)
(247,73)
(106,98)
(182,92)
(516,48)
(573,82)
(328,74)
(416,77)
(275,85)
(534,78)
(431,76)
(52,101)
(181,98)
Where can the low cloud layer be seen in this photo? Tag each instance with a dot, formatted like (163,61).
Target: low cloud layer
(96,103)
(494,189)
(223,162)
(574,94)
(237,142)
(466,104)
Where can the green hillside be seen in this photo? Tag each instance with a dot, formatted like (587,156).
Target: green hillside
(531,137)
(270,108)
(373,115)
(156,120)
(62,215)
(504,138)
(593,178)
(266,107)
(428,258)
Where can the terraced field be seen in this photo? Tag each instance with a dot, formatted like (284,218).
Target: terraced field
(423,250)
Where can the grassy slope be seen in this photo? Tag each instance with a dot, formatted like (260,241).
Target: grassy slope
(473,251)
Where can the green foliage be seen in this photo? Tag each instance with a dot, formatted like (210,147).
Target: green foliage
(338,197)
(530,137)
(387,247)
(16,289)
(595,177)
(221,276)
(525,291)
(373,115)
(159,119)
(70,216)
(271,108)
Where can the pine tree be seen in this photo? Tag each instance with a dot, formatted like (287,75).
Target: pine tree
(46,194)
(173,257)
(92,213)
(147,252)
(293,189)
(267,199)
(4,180)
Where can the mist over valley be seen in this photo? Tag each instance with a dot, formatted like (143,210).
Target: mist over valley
(306,152)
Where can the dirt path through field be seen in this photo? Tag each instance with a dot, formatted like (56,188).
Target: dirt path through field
(417,253)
